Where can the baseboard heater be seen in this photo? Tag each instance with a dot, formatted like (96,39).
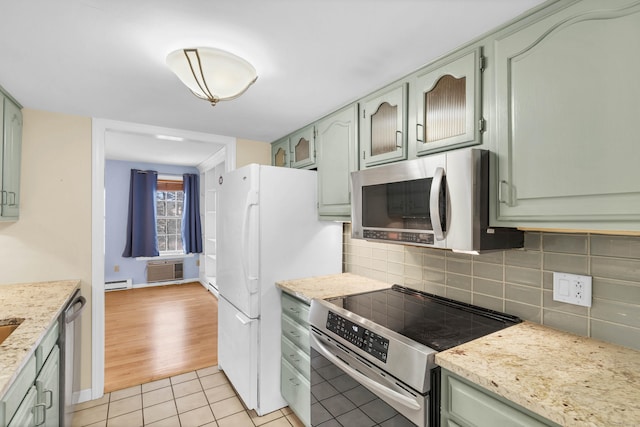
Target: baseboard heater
(162,271)
(116,285)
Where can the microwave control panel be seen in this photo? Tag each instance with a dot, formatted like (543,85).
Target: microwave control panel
(399,236)
(374,344)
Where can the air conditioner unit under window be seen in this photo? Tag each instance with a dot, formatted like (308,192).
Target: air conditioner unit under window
(161,271)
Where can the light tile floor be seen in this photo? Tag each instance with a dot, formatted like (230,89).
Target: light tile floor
(200,398)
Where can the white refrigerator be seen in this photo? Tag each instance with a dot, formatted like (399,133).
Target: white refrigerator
(267,230)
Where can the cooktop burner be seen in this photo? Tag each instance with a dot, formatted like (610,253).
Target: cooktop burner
(437,322)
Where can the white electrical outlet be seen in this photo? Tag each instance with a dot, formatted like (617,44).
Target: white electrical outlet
(572,289)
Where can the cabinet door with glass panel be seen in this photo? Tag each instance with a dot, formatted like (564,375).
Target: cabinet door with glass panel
(303,148)
(448,104)
(383,126)
(280,153)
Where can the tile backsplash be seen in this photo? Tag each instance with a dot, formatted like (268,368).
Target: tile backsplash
(520,281)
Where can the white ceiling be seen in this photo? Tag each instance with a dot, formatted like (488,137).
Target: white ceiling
(106,58)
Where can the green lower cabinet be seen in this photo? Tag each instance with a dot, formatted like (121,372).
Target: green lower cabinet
(296,390)
(48,387)
(295,365)
(33,399)
(25,415)
(464,404)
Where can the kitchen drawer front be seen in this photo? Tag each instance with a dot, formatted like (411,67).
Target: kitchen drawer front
(297,391)
(296,333)
(296,309)
(472,406)
(297,357)
(18,390)
(45,347)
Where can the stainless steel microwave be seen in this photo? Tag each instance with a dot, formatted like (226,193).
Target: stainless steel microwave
(439,201)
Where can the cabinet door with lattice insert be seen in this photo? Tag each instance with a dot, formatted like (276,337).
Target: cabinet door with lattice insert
(449,105)
(280,155)
(303,148)
(383,126)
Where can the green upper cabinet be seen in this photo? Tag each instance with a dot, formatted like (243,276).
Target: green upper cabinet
(280,153)
(447,99)
(337,150)
(10,159)
(383,126)
(303,149)
(567,100)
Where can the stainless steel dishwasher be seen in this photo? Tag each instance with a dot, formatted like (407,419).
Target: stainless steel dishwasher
(70,345)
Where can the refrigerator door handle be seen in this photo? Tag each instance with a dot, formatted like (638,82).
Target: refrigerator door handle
(251,282)
(243,319)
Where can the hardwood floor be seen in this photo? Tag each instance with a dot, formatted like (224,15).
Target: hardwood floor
(158,332)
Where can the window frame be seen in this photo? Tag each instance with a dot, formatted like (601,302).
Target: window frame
(170,183)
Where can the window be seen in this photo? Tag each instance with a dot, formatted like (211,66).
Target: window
(169,206)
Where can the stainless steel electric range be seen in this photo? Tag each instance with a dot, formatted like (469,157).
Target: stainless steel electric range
(373,355)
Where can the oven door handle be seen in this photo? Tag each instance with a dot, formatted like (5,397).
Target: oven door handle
(363,379)
(434,203)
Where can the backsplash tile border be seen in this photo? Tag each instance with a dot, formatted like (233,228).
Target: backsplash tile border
(519,281)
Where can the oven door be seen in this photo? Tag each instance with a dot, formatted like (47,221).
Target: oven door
(348,390)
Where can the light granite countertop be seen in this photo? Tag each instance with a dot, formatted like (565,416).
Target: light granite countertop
(330,286)
(39,304)
(568,379)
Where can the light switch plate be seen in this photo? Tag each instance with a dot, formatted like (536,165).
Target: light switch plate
(572,289)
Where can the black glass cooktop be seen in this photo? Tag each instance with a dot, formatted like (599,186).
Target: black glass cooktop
(437,322)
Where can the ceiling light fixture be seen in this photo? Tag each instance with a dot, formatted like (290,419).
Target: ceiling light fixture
(212,74)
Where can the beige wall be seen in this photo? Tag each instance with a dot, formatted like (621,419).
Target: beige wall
(52,238)
(252,152)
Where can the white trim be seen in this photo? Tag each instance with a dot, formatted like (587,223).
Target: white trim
(172,282)
(164,256)
(170,177)
(99,128)
(81,396)
(226,155)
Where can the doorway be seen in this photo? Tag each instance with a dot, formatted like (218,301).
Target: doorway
(104,131)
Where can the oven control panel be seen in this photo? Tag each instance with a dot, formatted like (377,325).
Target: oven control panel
(366,340)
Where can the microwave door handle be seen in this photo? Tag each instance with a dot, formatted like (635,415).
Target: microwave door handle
(434,203)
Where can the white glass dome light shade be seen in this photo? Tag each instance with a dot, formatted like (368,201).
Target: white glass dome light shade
(212,74)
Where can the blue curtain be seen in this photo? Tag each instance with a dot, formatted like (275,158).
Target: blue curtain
(142,235)
(191,228)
